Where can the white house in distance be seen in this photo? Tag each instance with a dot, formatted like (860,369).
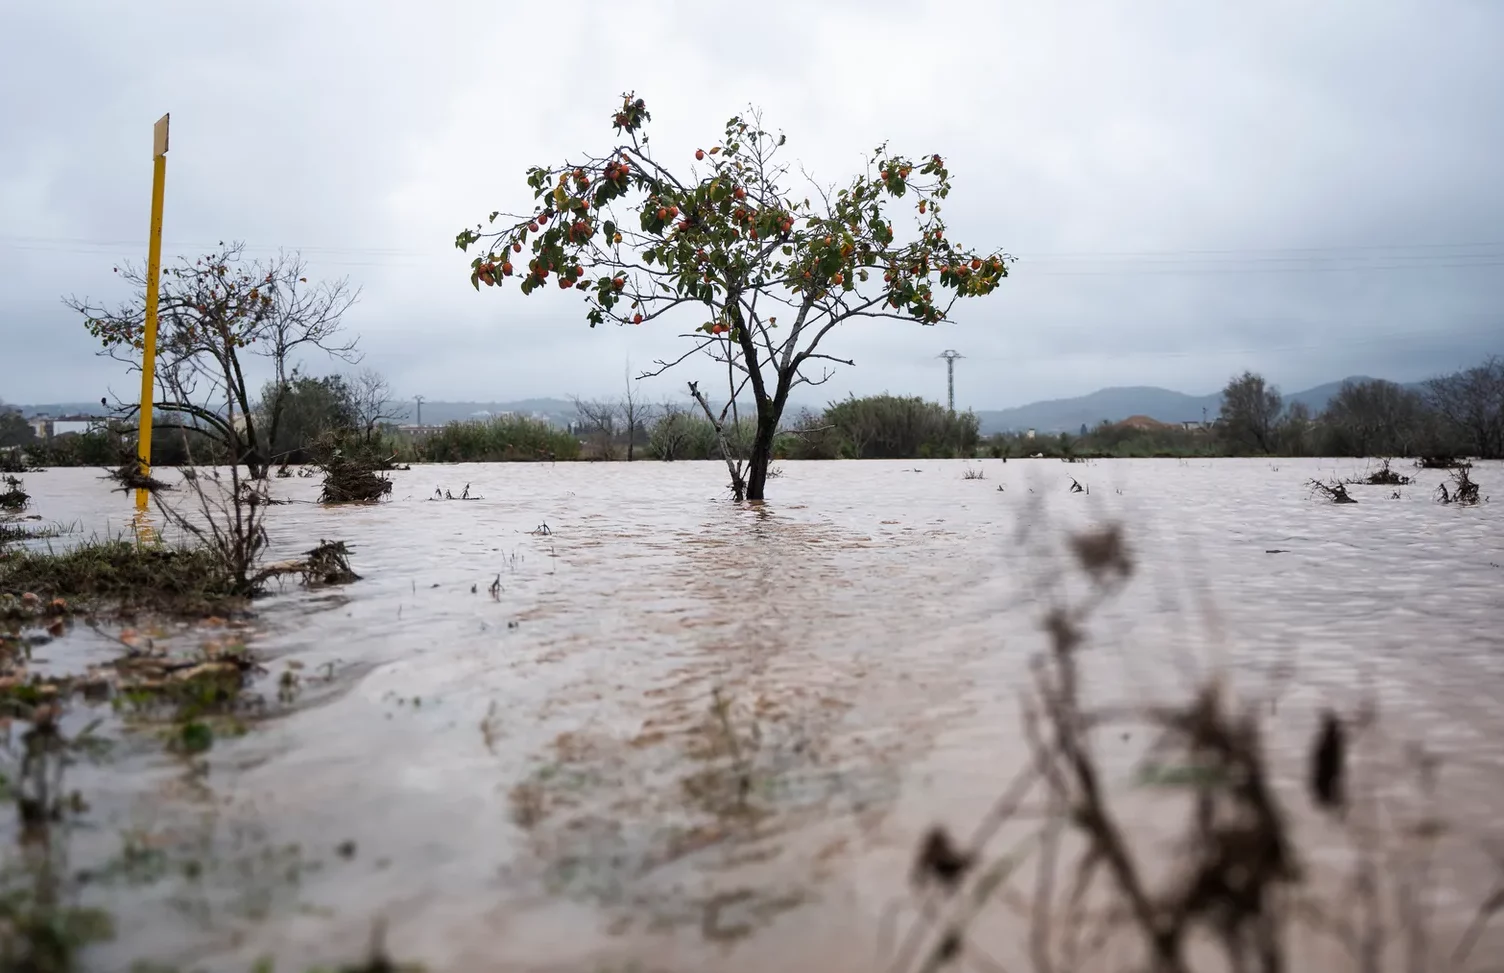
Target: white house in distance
(45,427)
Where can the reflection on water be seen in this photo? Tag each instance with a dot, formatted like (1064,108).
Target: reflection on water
(681,731)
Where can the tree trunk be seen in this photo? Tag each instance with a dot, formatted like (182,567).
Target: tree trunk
(762,451)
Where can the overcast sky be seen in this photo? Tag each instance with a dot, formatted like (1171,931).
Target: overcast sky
(1192,188)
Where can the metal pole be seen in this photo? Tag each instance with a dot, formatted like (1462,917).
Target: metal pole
(419,399)
(153,282)
(950,376)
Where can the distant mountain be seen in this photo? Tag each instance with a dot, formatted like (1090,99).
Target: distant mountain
(1112,404)
(1117,404)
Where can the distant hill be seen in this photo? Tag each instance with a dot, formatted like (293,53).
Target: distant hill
(1112,404)
(1117,404)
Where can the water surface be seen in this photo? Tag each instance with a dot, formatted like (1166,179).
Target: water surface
(703,735)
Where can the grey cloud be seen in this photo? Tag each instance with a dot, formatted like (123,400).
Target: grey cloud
(1192,189)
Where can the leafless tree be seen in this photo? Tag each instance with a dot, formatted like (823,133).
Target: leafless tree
(598,418)
(1375,417)
(633,412)
(373,401)
(1472,402)
(217,315)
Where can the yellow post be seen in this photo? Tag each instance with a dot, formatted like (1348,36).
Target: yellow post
(153,279)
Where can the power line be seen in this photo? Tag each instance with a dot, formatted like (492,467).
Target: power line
(1409,258)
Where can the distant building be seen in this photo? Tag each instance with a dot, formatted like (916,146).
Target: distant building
(46,427)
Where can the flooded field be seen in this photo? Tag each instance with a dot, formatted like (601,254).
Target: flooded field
(600,718)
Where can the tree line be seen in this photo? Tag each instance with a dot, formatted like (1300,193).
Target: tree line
(873,427)
(1460,414)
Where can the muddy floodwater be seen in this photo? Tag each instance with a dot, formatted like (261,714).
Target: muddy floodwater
(601,716)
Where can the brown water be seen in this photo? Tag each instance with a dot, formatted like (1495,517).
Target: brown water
(543,780)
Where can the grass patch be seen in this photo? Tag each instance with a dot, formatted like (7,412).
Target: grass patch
(122,573)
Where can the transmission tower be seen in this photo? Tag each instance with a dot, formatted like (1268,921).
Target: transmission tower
(950,376)
(419,399)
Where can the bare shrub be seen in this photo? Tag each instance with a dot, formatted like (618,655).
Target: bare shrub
(1464,489)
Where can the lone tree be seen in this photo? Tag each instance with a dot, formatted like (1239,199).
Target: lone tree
(759,271)
(1250,410)
(217,315)
(371,396)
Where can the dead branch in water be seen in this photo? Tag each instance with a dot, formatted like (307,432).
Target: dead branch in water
(441,493)
(131,475)
(734,464)
(327,564)
(1335,491)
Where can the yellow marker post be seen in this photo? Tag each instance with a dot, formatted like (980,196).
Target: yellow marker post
(153,279)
